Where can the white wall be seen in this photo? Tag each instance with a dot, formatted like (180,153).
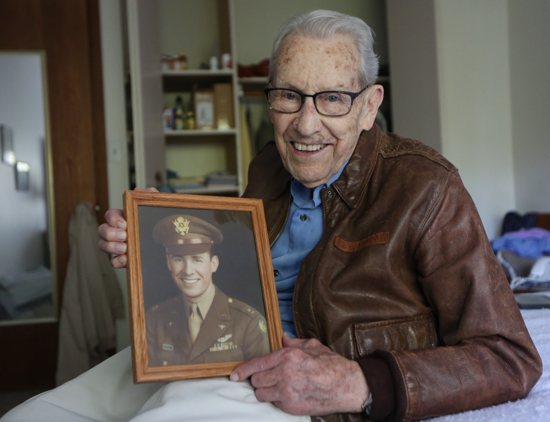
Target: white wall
(475,101)
(23,215)
(413,70)
(489,80)
(529,40)
(112,52)
(179,29)
(257,22)
(112,56)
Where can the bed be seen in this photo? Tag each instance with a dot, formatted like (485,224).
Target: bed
(523,250)
(26,294)
(107,393)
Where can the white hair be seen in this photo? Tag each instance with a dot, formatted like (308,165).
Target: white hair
(324,24)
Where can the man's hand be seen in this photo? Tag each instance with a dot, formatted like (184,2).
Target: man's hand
(113,236)
(306,378)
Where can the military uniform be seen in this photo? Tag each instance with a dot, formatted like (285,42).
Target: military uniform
(231,331)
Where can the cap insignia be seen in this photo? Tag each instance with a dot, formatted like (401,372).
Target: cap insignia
(181,225)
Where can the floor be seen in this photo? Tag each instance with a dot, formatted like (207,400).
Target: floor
(11,399)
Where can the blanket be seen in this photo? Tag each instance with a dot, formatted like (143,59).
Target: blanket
(107,393)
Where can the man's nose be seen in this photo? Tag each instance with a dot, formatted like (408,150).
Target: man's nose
(187,267)
(307,119)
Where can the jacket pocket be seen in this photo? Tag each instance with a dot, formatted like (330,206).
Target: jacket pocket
(380,238)
(413,333)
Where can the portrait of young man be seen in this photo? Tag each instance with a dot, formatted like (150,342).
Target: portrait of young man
(200,324)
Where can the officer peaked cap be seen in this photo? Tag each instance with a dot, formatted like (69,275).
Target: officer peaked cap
(183,234)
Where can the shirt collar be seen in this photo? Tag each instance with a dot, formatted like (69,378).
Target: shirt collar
(305,197)
(205,301)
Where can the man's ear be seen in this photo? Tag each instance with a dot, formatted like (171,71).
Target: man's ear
(214,263)
(374,97)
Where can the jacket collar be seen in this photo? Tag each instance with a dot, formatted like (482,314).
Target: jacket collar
(351,186)
(352,183)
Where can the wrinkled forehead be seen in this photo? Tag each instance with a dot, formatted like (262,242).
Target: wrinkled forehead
(302,57)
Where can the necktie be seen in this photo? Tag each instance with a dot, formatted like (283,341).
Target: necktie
(195,321)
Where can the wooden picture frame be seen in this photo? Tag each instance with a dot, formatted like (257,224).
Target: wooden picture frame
(172,238)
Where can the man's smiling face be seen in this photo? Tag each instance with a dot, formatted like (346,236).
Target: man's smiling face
(313,147)
(192,274)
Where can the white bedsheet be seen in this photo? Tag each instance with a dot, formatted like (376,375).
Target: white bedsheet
(536,406)
(107,393)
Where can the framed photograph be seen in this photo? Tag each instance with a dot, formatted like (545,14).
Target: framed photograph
(6,145)
(22,175)
(201,288)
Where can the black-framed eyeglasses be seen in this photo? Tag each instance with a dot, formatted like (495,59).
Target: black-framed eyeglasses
(327,103)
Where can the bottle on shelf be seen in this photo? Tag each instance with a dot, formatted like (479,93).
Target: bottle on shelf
(190,120)
(179,114)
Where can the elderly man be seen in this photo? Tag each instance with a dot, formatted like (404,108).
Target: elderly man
(383,268)
(201,325)
(384,273)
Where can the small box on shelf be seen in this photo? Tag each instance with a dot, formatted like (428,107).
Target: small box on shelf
(204,110)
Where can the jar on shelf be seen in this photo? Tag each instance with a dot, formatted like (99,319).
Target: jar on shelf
(165,62)
(180,62)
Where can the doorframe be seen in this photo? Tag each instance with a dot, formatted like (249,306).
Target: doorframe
(69,34)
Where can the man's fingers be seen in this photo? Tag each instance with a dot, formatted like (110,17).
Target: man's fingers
(292,342)
(256,365)
(304,344)
(112,240)
(266,379)
(115,218)
(109,233)
(150,189)
(112,248)
(119,261)
(267,394)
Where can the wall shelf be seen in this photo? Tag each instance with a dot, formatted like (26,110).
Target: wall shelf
(187,152)
(198,132)
(211,190)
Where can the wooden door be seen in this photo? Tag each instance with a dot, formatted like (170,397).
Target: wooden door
(68,33)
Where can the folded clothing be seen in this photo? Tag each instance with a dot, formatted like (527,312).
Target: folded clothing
(532,242)
(525,273)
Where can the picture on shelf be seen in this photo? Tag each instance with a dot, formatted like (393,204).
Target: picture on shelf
(204,110)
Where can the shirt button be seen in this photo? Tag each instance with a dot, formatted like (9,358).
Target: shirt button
(303,217)
(276,273)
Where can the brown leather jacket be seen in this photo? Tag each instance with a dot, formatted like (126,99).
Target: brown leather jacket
(404,281)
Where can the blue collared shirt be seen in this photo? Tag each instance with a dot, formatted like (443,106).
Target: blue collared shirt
(302,231)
